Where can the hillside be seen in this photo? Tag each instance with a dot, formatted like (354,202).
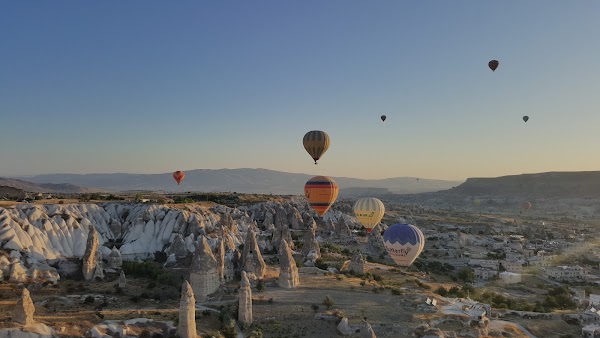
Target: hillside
(43,187)
(261,181)
(542,185)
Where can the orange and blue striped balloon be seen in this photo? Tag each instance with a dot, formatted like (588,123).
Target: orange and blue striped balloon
(321,192)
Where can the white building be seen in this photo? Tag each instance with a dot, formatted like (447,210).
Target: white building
(510,277)
(484,263)
(513,266)
(590,331)
(565,273)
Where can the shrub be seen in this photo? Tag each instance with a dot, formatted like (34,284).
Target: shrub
(328,302)
(206,313)
(396,292)
(315,307)
(260,286)
(89,300)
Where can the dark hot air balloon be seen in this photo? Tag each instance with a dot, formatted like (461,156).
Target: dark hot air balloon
(493,65)
(383,117)
(525,118)
(316,143)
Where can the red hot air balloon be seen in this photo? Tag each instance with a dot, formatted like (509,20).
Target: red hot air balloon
(493,65)
(526,205)
(178,176)
(321,192)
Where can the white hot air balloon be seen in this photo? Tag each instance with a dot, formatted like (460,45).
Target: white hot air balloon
(369,212)
(404,243)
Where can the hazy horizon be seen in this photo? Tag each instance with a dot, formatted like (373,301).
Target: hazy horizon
(153,87)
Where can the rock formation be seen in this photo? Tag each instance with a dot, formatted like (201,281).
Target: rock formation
(186,328)
(268,221)
(252,261)
(295,219)
(311,246)
(18,274)
(24,310)
(92,258)
(177,247)
(366,331)
(357,264)
(375,245)
(220,257)
(344,328)
(245,304)
(282,232)
(204,274)
(330,227)
(288,274)
(122,279)
(342,229)
(114,259)
(280,217)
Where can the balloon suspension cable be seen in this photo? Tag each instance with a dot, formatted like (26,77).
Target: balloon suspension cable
(316,162)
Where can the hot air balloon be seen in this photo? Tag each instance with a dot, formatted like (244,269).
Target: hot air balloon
(493,65)
(383,117)
(369,211)
(316,143)
(526,205)
(178,176)
(525,118)
(404,243)
(321,192)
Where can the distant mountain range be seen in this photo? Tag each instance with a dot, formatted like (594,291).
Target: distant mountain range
(582,184)
(43,187)
(261,181)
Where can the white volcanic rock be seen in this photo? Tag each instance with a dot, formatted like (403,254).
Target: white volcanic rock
(366,331)
(187,313)
(288,274)
(24,310)
(253,262)
(344,328)
(122,279)
(245,300)
(92,259)
(357,264)
(18,274)
(204,275)
(114,259)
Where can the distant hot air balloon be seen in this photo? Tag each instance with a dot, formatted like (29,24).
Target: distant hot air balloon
(178,176)
(369,211)
(526,205)
(404,243)
(321,192)
(383,117)
(493,65)
(316,143)
(525,118)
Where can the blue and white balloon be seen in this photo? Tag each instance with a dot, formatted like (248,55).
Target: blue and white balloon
(404,243)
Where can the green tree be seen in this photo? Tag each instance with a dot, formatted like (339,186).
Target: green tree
(466,275)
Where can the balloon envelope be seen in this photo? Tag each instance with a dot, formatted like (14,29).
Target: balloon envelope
(369,211)
(525,118)
(526,205)
(321,192)
(316,143)
(178,176)
(404,243)
(383,117)
(493,65)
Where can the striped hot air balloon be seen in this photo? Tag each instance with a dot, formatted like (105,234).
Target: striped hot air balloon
(316,143)
(369,211)
(321,192)
(493,65)
(404,243)
(178,176)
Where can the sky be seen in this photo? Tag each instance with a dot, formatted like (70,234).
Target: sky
(146,86)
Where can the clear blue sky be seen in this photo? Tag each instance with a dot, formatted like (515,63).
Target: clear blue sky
(155,86)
